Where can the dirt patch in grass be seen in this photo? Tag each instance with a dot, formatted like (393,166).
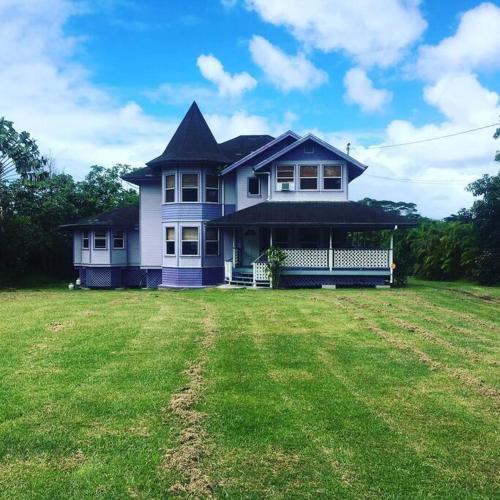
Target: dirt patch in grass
(58,326)
(193,444)
(467,293)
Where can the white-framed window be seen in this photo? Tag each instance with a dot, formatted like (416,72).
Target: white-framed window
(190,240)
(308,177)
(169,240)
(253,186)
(285,173)
(170,188)
(190,187)
(211,188)
(212,241)
(281,237)
(100,240)
(85,239)
(118,239)
(332,177)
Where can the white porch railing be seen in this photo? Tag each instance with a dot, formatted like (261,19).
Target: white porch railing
(228,270)
(338,258)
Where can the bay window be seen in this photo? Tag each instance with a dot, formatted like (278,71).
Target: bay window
(190,187)
(100,239)
(190,238)
(170,188)
(170,240)
(118,239)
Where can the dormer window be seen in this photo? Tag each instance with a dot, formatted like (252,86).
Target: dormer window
(190,188)
(332,177)
(211,189)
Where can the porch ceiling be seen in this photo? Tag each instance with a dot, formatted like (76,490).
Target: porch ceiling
(346,214)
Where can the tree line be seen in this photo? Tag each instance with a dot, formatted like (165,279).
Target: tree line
(35,201)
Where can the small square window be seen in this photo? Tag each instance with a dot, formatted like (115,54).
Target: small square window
(254,186)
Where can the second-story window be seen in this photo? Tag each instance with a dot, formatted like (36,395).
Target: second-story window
(212,188)
(190,187)
(308,177)
(254,186)
(118,239)
(169,188)
(85,240)
(100,239)
(332,177)
(284,176)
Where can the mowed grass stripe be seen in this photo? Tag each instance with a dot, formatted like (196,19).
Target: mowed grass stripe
(100,413)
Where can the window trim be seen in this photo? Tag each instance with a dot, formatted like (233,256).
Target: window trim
(217,240)
(197,241)
(85,231)
(169,174)
(182,174)
(341,177)
(212,188)
(122,238)
(317,165)
(168,241)
(252,195)
(105,247)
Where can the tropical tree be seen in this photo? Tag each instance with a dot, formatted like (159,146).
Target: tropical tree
(19,154)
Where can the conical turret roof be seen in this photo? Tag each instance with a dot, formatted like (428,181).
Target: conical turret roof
(193,141)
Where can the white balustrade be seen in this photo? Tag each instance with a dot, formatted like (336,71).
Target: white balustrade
(306,257)
(364,258)
(228,270)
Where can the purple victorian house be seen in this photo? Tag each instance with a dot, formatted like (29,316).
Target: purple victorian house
(208,212)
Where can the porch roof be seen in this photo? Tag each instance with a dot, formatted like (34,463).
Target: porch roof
(123,217)
(347,214)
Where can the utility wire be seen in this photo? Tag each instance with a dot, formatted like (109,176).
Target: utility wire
(385,146)
(416,181)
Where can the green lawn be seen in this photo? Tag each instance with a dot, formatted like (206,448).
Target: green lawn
(250,393)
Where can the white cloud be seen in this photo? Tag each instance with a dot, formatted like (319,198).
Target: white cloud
(360,90)
(285,71)
(228,85)
(474,46)
(79,124)
(373,33)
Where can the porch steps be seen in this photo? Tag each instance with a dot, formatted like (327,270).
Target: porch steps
(243,278)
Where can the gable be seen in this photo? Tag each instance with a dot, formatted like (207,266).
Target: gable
(269,149)
(311,147)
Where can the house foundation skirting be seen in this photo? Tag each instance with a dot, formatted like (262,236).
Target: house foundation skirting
(297,281)
(116,277)
(191,277)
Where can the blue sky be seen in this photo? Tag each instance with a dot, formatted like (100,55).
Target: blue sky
(107,81)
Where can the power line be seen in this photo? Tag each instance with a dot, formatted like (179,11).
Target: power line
(416,181)
(385,146)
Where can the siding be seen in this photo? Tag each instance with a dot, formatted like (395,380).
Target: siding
(192,277)
(77,247)
(190,211)
(244,200)
(133,248)
(151,241)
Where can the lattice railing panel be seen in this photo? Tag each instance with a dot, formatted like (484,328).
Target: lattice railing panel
(259,271)
(360,258)
(306,257)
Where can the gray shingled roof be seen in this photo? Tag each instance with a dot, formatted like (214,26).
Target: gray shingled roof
(242,145)
(193,141)
(127,216)
(348,214)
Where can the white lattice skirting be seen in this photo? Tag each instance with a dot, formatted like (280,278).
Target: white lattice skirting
(306,257)
(360,259)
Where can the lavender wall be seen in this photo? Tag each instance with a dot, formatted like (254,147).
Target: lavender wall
(192,277)
(190,211)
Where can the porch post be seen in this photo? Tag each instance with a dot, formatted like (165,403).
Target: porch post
(271,237)
(234,247)
(391,254)
(330,251)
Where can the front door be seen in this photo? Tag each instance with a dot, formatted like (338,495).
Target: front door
(250,246)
